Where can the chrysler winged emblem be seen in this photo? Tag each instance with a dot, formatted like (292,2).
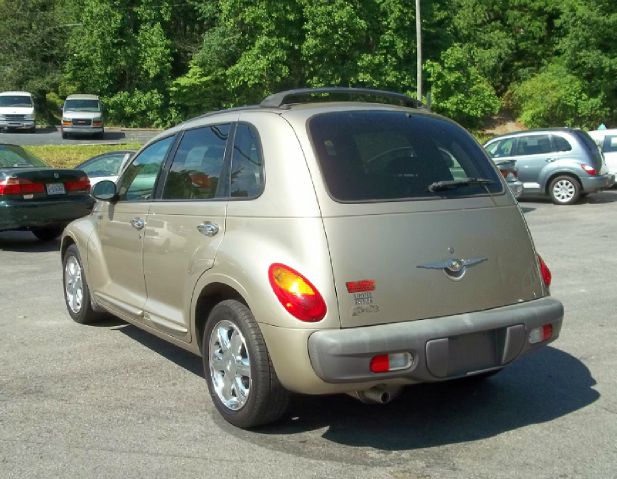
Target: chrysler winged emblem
(454,268)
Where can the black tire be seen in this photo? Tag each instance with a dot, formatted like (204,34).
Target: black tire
(564,190)
(48,233)
(100,136)
(82,313)
(266,400)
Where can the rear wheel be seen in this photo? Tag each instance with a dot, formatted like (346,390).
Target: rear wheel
(49,233)
(240,376)
(76,291)
(564,190)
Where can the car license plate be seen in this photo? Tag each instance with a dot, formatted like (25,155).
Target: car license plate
(55,189)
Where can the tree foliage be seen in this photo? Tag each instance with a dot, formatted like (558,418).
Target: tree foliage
(156,62)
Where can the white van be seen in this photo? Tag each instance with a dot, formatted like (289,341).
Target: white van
(17,111)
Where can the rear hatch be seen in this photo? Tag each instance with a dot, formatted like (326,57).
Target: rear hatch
(418,221)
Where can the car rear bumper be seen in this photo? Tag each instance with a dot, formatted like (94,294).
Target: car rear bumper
(440,348)
(591,184)
(19,214)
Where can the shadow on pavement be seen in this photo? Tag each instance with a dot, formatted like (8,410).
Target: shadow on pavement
(541,387)
(24,242)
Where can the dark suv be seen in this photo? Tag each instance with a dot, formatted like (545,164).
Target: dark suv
(563,163)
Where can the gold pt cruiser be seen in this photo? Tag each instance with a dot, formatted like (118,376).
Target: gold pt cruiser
(315,247)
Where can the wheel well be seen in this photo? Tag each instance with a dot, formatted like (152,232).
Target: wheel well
(209,297)
(555,175)
(66,242)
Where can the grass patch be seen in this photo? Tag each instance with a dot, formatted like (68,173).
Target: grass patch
(68,156)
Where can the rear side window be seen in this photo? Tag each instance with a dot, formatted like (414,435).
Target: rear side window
(610,144)
(389,155)
(561,144)
(247,177)
(501,148)
(197,165)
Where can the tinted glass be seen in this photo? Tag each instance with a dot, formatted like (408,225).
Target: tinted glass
(82,105)
(388,155)
(610,144)
(139,178)
(590,147)
(16,101)
(107,165)
(246,164)
(533,145)
(561,144)
(13,156)
(197,165)
(501,148)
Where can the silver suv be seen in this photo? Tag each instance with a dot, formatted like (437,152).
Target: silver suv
(563,163)
(318,248)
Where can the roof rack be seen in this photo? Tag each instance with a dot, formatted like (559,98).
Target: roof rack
(281,99)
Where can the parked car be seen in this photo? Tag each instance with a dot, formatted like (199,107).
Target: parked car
(105,166)
(17,111)
(315,248)
(38,198)
(82,115)
(563,163)
(607,141)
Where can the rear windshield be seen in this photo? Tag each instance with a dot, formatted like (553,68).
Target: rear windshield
(591,147)
(13,156)
(390,155)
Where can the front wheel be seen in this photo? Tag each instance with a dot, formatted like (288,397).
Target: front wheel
(564,190)
(76,291)
(240,376)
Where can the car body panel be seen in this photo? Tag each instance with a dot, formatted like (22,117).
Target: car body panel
(607,141)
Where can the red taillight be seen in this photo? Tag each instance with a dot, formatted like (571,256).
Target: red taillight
(82,184)
(296,293)
(20,186)
(541,334)
(589,169)
(383,363)
(547,277)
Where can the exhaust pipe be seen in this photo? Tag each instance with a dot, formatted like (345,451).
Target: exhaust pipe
(381,394)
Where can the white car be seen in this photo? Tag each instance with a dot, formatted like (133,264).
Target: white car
(106,166)
(17,111)
(82,115)
(607,141)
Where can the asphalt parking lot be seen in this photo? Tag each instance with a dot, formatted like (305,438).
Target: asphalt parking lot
(52,136)
(112,401)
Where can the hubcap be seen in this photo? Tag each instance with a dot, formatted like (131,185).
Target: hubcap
(73,285)
(230,365)
(564,190)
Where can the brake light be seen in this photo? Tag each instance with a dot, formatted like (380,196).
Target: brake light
(296,293)
(80,185)
(589,169)
(541,334)
(20,186)
(547,277)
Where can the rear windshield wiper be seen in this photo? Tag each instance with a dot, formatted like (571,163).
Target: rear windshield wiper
(453,184)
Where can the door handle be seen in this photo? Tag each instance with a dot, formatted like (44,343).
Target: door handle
(208,229)
(550,160)
(138,223)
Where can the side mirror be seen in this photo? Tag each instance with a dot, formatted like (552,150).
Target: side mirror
(105,191)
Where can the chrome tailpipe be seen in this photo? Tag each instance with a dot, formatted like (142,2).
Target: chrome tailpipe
(381,394)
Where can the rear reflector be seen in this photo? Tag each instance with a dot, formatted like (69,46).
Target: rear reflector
(541,334)
(20,186)
(360,286)
(384,363)
(547,277)
(296,293)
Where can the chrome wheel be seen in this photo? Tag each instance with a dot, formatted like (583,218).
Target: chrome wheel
(73,284)
(230,365)
(564,190)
